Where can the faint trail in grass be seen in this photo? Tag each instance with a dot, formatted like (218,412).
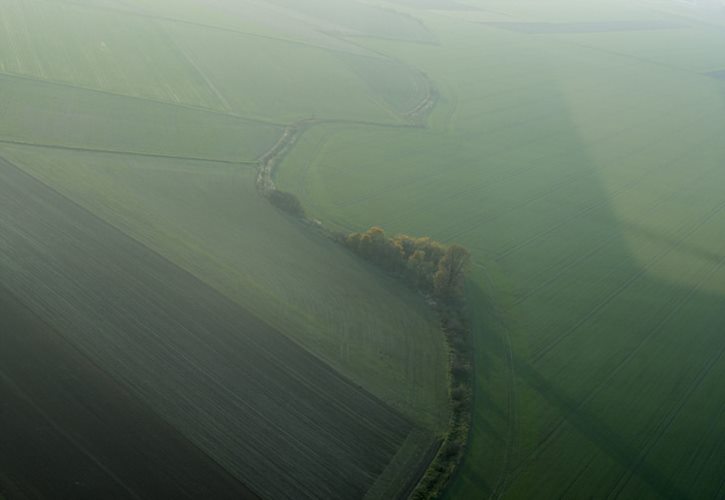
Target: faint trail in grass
(419,113)
(185,55)
(671,308)
(498,489)
(576,477)
(94,90)
(667,421)
(603,304)
(571,263)
(705,439)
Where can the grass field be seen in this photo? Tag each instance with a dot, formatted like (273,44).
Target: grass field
(269,78)
(48,114)
(63,42)
(574,148)
(582,165)
(132,227)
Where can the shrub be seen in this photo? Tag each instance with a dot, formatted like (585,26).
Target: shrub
(287,202)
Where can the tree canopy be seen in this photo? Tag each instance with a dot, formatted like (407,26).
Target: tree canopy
(425,263)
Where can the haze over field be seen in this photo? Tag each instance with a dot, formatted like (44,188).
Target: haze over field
(193,304)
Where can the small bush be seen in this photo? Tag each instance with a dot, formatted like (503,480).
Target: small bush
(287,202)
(458,394)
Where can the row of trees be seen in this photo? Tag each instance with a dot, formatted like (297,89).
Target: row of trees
(425,263)
(439,270)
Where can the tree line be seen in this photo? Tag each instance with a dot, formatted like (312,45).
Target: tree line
(423,262)
(440,271)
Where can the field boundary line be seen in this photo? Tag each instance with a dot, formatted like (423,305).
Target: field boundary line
(499,488)
(671,416)
(13,142)
(185,55)
(273,157)
(673,306)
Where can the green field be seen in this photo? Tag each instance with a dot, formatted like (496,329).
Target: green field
(574,147)
(581,162)
(48,114)
(146,246)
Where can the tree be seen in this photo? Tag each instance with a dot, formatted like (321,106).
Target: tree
(424,262)
(449,279)
(421,270)
(434,251)
(405,245)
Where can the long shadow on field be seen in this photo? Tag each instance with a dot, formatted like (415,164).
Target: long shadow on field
(590,235)
(595,428)
(683,247)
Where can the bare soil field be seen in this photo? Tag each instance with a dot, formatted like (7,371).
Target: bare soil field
(71,431)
